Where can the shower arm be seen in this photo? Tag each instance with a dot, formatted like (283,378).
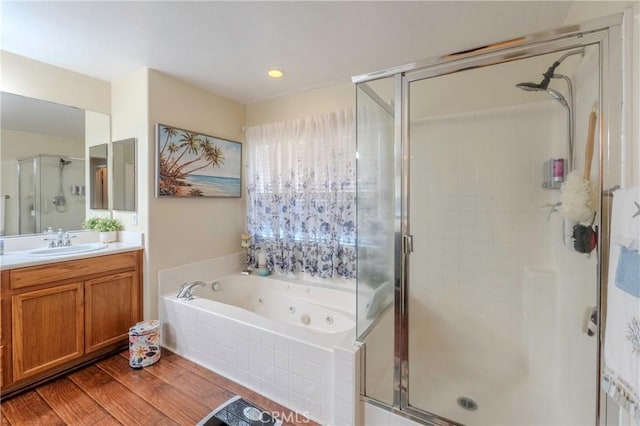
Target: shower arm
(60,187)
(570,115)
(550,73)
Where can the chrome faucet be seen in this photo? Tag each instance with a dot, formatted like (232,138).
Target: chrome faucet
(186,289)
(49,237)
(59,239)
(67,239)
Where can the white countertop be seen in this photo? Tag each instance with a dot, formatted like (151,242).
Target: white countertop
(18,256)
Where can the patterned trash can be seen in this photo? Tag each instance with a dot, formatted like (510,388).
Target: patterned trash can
(144,343)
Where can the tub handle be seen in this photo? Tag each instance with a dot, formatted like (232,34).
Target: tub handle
(186,289)
(215,286)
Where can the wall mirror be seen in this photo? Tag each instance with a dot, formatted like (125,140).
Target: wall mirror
(99,177)
(44,175)
(124,174)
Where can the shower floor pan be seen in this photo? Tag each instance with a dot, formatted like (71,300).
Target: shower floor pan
(507,402)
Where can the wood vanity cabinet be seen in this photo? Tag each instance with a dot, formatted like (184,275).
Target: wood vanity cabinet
(61,315)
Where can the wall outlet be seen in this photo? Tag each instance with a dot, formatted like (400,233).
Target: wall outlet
(134,219)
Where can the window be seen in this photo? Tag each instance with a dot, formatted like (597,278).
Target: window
(301,194)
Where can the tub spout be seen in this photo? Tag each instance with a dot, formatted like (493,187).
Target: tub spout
(186,289)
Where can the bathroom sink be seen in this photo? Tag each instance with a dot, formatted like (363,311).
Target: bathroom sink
(73,249)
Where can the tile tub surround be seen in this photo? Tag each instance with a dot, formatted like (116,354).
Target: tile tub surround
(318,380)
(169,280)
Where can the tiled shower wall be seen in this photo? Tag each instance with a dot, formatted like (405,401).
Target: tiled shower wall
(491,283)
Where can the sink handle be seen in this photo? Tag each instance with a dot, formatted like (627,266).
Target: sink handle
(67,239)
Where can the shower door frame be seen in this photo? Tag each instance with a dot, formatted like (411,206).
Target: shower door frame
(604,32)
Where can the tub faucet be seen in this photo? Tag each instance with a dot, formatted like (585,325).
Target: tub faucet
(186,289)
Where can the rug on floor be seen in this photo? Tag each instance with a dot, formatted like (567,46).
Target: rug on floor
(238,412)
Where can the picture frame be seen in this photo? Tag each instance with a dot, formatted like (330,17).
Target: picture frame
(193,164)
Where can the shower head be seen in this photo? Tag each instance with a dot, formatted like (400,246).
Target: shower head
(530,87)
(544,86)
(549,74)
(63,163)
(533,87)
(558,97)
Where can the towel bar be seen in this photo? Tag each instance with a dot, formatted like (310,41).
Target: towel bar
(609,192)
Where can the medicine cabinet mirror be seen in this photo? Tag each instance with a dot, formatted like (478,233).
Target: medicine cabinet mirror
(124,174)
(99,177)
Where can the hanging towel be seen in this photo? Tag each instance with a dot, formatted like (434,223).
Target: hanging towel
(622,335)
(628,234)
(628,271)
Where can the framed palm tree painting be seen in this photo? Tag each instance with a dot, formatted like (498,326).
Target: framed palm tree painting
(191,164)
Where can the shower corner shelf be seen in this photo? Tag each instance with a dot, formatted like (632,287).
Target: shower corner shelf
(551,185)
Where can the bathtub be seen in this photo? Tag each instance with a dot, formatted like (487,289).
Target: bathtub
(286,339)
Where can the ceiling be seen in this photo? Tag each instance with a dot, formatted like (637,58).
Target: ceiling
(227,47)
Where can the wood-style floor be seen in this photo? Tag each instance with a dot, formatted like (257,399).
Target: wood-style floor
(172,391)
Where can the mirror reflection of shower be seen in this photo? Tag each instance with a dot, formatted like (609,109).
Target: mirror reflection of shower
(50,193)
(98,177)
(59,201)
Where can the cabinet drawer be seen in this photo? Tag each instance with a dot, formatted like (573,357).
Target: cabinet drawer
(44,274)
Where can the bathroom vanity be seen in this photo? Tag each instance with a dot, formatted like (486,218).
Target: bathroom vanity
(59,314)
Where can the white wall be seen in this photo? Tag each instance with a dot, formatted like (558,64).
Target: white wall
(186,230)
(129,119)
(303,104)
(177,230)
(581,11)
(27,77)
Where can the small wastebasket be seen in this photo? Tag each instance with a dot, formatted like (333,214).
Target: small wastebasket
(144,343)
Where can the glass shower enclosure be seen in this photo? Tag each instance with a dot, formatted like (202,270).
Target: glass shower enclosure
(475,306)
(51,193)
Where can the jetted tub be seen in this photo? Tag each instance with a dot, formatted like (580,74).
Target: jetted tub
(314,309)
(277,336)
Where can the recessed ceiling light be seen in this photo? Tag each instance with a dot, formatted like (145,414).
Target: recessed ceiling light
(275,73)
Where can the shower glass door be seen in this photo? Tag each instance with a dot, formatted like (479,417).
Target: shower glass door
(376,202)
(498,299)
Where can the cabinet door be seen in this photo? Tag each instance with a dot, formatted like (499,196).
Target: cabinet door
(112,306)
(47,328)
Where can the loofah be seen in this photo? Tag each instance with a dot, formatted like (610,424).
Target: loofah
(577,199)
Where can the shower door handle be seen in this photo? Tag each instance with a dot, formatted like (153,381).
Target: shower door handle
(407,243)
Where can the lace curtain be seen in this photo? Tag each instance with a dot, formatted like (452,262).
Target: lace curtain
(301,208)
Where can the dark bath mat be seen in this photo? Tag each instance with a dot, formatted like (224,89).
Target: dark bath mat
(238,412)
